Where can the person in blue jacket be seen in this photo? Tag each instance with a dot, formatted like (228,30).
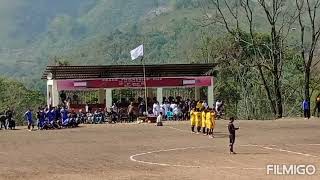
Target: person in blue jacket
(42,117)
(64,117)
(28,116)
(306,109)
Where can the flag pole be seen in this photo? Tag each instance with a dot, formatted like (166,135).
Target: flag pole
(145,84)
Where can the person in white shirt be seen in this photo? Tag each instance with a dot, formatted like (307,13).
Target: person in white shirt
(159,119)
(173,106)
(166,107)
(218,104)
(162,109)
(87,108)
(156,109)
(114,107)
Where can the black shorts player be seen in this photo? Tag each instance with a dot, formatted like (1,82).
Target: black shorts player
(232,134)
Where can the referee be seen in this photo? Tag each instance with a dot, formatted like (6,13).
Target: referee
(232,134)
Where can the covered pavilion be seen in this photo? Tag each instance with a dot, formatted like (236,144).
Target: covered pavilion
(105,78)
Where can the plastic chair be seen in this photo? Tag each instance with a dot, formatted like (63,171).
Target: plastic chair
(169,115)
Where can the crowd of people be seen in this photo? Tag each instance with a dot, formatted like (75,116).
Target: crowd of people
(52,118)
(178,109)
(63,116)
(6,120)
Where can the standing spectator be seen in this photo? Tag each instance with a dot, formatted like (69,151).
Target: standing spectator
(10,122)
(3,121)
(218,105)
(130,112)
(156,109)
(39,115)
(28,116)
(317,107)
(306,109)
(162,109)
(68,102)
(86,108)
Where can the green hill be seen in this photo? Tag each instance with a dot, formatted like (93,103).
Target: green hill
(36,32)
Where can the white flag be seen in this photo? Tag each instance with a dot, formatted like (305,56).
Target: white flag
(137,52)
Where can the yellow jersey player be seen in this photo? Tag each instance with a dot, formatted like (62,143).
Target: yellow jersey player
(193,119)
(203,121)
(198,121)
(208,122)
(213,120)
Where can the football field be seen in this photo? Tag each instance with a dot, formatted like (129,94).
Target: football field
(143,151)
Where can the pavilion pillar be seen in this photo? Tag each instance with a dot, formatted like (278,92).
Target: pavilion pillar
(52,93)
(150,93)
(108,96)
(210,94)
(102,96)
(197,94)
(160,95)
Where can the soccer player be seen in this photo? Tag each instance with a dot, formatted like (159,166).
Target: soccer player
(28,116)
(203,120)
(232,134)
(192,119)
(198,121)
(213,121)
(208,122)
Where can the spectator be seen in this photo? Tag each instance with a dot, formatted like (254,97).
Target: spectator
(317,107)
(156,109)
(28,116)
(130,112)
(159,119)
(10,122)
(306,109)
(115,108)
(3,121)
(142,108)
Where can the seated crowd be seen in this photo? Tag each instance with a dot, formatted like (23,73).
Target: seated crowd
(64,117)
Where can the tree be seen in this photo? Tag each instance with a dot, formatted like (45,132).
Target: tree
(279,16)
(308,17)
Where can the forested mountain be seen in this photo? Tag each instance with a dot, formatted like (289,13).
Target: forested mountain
(35,33)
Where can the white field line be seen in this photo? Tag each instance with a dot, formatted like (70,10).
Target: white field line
(133,158)
(287,151)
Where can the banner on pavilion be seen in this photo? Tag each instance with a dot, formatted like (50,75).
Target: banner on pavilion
(121,83)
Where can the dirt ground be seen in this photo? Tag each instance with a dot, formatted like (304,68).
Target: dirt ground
(143,151)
